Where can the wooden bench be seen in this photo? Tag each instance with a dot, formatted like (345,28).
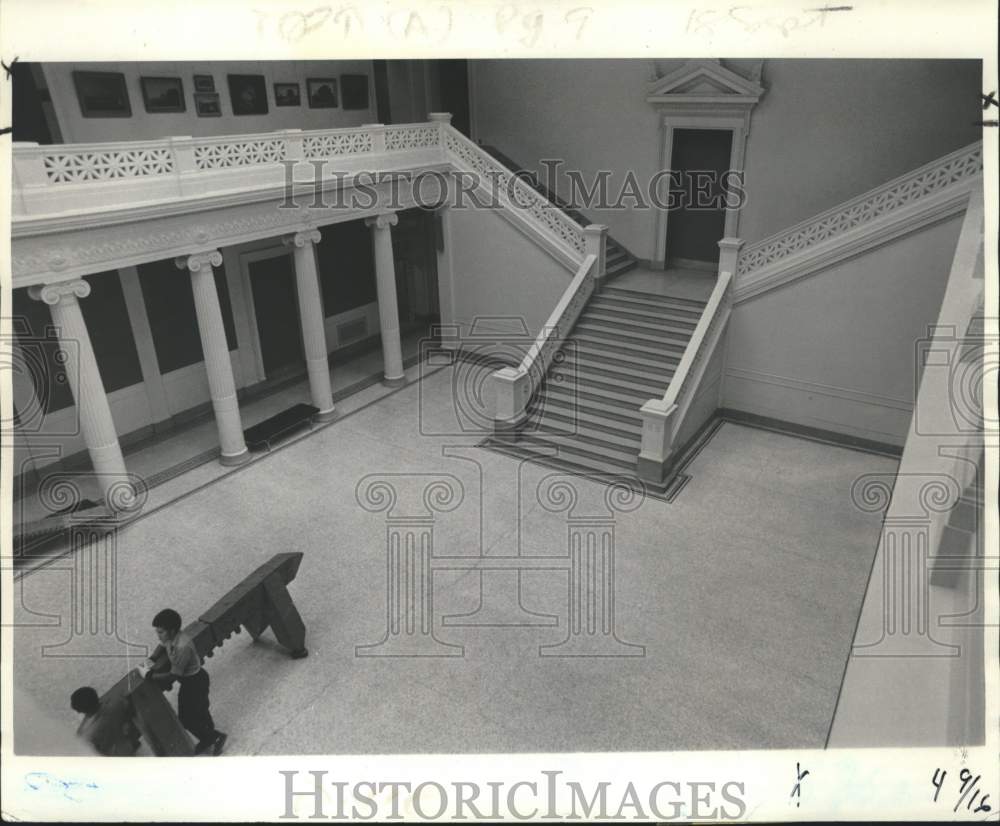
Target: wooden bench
(259,602)
(264,433)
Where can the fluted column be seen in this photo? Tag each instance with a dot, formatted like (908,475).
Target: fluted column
(222,386)
(311,319)
(388,305)
(96,424)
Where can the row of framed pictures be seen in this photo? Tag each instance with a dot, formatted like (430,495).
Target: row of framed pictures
(105,94)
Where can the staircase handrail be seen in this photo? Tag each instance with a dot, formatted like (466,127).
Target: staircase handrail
(958,168)
(516,385)
(714,312)
(556,224)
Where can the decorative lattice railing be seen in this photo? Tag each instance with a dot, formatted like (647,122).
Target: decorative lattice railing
(514,191)
(957,168)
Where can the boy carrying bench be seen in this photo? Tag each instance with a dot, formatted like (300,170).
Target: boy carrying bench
(185,668)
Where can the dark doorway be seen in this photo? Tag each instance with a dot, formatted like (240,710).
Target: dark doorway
(276,307)
(454,79)
(695,228)
(414,246)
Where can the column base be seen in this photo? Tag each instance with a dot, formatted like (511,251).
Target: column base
(234,459)
(397,382)
(326,415)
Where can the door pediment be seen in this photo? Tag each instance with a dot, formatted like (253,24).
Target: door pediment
(704,83)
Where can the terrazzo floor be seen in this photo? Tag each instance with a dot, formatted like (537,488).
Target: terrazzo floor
(744,593)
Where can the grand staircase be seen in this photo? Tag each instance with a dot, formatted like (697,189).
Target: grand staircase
(618,259)
(622,352)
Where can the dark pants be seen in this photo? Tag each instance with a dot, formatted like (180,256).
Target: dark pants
(192,706)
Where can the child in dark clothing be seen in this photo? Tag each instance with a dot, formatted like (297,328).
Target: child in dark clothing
(185,668)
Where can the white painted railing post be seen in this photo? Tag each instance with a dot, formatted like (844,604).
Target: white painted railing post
(293,145)
(513,391)
(443,119)
(595,242)
(729,253)
(29,166)
(183,150)
(657,438)
(377,131)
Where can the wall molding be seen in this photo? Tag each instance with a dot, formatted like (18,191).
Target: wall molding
(846,393)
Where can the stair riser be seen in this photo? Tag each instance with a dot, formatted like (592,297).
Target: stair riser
(568,419)
(676,319)
(636,295)
(623,459)
(591,409)
(626,405)
(584,375)
(640,337)
(602,438)
(631,364)
(658,355)
(665,328)
(600,383)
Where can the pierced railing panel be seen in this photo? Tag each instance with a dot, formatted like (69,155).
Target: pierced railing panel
(956,168)
(71,166)
(337,144)
(245,152)
(557,222)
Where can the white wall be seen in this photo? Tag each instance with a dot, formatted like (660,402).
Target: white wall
(145,126)
(824,131)
(500,276)
(835,350)
(828,130)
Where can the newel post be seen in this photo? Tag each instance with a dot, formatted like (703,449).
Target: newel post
(729,254)
(513,391)
(657,440)
(595,242)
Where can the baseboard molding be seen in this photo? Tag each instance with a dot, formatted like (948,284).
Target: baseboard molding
(813,434)
(862,414)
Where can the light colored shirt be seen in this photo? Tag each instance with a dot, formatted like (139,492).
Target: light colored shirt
(183,656)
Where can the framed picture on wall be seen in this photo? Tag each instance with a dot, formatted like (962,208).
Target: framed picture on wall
(248,94)
(162,94)
(204,83)
(322,92)
(102,94)
(207,104)
(287,94)
(354,90)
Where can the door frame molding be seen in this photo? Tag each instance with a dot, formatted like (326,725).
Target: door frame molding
(702,94)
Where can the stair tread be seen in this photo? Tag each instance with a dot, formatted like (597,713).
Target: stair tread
(583,465)
(598,379)
(574,405)
(642,311)
(653,365)
(665,356)
(623,457)
(631,327)
(586,433)
(651,298)
(658,344)
(573,416)
(631,401)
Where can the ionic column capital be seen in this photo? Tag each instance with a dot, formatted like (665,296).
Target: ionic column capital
(386,219)
(52,294)
(197,260)
(310,235)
